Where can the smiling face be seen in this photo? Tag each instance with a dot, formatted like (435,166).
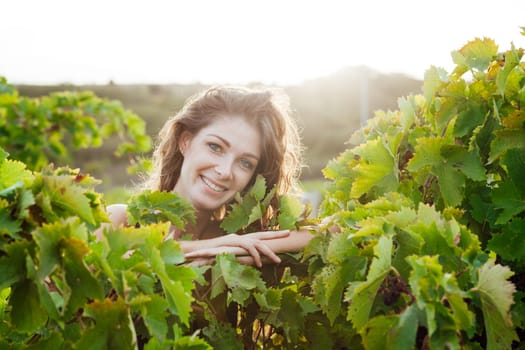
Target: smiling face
(219,161)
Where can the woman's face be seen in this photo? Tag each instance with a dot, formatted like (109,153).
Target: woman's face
(219,161)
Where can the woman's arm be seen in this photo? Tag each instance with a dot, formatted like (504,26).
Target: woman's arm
(254,244)
(290,243)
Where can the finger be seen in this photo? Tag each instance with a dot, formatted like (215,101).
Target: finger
(254,252)
(209,252)
(270,254)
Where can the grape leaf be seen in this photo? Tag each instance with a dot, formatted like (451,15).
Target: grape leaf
(67,199)
(248,208)
(154,312)
(238,278)
(507,197)
(376,332)
(512,59)
(361,295)
(468,119)
(452,185)
(155,206)
(12,172)
(27,313)
(505,140)
(377,167)
(478,53)
(510,243)
(112,329)
(81,283)
(7,224)
(179,298)
(433,79)
(13,263)
(290,210)
(496,294)
(328,286)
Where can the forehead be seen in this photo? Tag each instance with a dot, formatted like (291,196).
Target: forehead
(236,131)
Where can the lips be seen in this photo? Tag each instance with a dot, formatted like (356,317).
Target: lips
(212,185)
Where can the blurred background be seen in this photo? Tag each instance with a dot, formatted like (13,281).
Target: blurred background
(339,61)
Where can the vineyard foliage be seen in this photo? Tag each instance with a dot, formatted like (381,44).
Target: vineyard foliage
(37,131)
(420,241)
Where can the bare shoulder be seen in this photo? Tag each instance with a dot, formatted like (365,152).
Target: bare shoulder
(118,214)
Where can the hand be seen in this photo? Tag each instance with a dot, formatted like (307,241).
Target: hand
(248,244)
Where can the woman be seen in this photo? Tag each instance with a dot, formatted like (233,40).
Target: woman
(214,148)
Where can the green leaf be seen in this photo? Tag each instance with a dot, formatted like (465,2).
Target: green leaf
(478,53)
(433,79)
(51,342)
(505,140)
(51,238)
(496,294)
(403,336)
(512,59)
(179,298)
(510,243)
(291,316)
(155,206)
(427,153)
(376,168)
(154,312)
(408,111)
(468,162)
(328,286)
(258,190)
(82,284)
(171,252)
(514,161)
(507,197)
(13,172)
(222,335)
(68,199)
(375,333)
(249,208)
(8,225)
(13,264)
(361,295)
(452,185)
(3,154)
(469,119)
(290,210)
(238,278)
(112,329)
(26,314)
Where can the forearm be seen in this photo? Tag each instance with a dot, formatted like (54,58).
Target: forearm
(291,243)
(188,246)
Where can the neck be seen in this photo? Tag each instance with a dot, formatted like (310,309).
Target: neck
(198,229)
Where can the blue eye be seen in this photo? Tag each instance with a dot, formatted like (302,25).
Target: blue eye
(214,147)
(246,164)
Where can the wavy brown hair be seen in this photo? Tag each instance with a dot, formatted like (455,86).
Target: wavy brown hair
(266,109)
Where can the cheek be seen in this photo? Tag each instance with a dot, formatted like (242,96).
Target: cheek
(243,178)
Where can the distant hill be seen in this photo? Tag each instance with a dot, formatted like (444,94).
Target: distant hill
(328,109)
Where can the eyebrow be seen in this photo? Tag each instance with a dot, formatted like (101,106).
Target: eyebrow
(248,154)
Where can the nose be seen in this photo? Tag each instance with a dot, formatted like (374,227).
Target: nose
(223,168)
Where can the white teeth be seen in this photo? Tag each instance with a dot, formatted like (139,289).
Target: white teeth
(212,185)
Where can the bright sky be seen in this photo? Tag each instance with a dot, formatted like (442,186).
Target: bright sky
(240,41)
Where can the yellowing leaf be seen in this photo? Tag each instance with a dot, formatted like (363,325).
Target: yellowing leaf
(377,167)
(496,294)
(478,53)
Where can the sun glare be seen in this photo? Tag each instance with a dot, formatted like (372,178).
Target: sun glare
(282,42)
